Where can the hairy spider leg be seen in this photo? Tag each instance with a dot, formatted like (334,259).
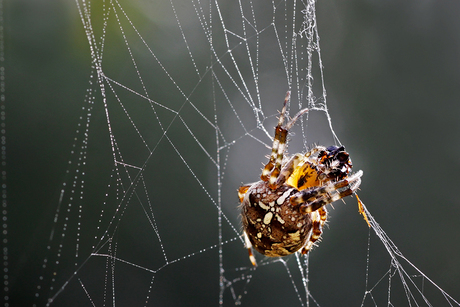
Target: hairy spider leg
(322,196)
(312,199)
(288,169)
(242,191)
(318,220)
(279,157)
(248,245)
(279,131)
(282,147)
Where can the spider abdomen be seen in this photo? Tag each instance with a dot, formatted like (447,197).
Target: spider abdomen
(274,226)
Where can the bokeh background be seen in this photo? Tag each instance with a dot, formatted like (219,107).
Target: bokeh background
(392,73)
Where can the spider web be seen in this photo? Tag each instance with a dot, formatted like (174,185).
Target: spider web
(179,111)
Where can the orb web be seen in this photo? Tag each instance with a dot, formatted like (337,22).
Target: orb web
(180,109)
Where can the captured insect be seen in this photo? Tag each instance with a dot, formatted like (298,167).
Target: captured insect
(285,211)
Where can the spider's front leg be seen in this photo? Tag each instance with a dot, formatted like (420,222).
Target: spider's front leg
(279,142)
(272,169)
(313,199)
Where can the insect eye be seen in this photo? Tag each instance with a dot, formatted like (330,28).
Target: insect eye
(342,156)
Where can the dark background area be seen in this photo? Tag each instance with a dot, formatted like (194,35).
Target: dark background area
(392,72)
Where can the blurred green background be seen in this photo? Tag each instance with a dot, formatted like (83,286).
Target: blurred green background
(392,73)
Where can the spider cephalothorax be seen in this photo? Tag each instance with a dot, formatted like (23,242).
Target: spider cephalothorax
(284,212)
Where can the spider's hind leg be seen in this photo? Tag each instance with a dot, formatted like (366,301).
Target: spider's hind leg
(248,245)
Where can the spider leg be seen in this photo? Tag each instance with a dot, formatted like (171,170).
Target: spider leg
(318,219)
(242,191)
(272,169)
(280,135)
(323,215)
(288,169)
(281,148)
(295,118)
(279,157)
(248,245)
(311,200)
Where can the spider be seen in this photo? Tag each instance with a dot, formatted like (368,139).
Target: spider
(285,211)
